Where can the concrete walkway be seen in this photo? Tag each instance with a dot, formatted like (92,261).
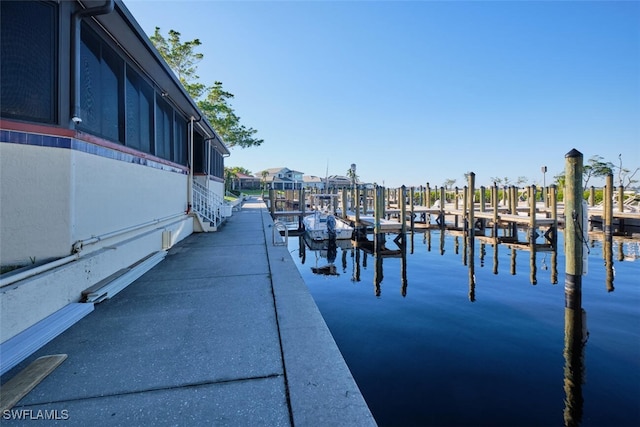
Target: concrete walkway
(222,332)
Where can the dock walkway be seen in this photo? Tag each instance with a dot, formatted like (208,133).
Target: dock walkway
(222,332)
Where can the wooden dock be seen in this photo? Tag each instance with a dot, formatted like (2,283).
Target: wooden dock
(486,212)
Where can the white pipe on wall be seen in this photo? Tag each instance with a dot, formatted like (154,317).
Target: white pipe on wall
(5,281)
(80,244)
(77,249)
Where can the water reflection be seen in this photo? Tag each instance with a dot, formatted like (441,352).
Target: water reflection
(363,245)
(575,338)
(569,402)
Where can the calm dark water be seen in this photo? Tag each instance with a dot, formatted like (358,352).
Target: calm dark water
(430,347)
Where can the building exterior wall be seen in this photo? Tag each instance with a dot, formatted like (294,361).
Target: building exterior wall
(35,203)
(108,181)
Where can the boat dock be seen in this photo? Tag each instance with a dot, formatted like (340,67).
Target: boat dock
(222,332)
(490,212)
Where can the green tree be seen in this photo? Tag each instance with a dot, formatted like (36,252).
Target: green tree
(231,176)
(213,101)
(448,183)
(595,167)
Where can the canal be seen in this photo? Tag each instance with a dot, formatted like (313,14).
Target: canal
(435,338)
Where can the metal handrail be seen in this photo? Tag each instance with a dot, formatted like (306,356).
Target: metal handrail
(279,226)
(207,203)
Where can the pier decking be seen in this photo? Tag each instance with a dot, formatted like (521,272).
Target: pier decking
(382,210)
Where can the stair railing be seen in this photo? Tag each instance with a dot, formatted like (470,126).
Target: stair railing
(207,203)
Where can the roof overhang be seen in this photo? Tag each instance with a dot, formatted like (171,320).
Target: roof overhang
(123,28)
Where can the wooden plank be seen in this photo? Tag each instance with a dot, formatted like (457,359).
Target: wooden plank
(20,385)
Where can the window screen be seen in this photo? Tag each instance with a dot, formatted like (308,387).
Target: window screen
(164,129)
(101,88)
(28,69)
(139,115)
(180,141)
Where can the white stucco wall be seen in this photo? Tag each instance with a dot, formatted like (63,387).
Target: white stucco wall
(53,197)
(110,195)
(35,203)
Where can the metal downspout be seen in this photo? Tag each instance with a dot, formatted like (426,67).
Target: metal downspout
(190,180)
(75,51)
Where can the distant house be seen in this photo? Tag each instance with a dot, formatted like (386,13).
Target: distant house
(312,181)
(246,182)
(282,178)
(339,181)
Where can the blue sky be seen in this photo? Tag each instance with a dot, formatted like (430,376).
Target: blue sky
(420,91)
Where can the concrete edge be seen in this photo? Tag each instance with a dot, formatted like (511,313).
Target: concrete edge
(322,390)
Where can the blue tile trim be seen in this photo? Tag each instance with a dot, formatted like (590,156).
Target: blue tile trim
(15,137)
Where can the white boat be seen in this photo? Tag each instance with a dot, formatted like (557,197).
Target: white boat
(325,226)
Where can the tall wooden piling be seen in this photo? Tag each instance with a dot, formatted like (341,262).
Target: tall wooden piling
(403,211)
(574,234)
(471,237)
(272,201)
(575,317)
(465,207)
(553,200)
(621,198)
(357,204)
(302,205)
(532,235)
(456,206)
(441,215)
(494,200)
(607,215)
(412,210)
(471,205)
(376,210)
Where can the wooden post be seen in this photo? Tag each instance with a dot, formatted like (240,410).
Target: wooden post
(471,237)
(428,196)
(403,212)
(344,203)
(592,196)
(621,198)
(607,215)
(357,201)
(272,202)
(471,206)
(455,207)
(412,206)
(442,198)
(483,194)
(376,210)
(574,235)
(553,199)
(532,235)
(514,209)
(301,207)
(495,210)
(465,206)
(532,214)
